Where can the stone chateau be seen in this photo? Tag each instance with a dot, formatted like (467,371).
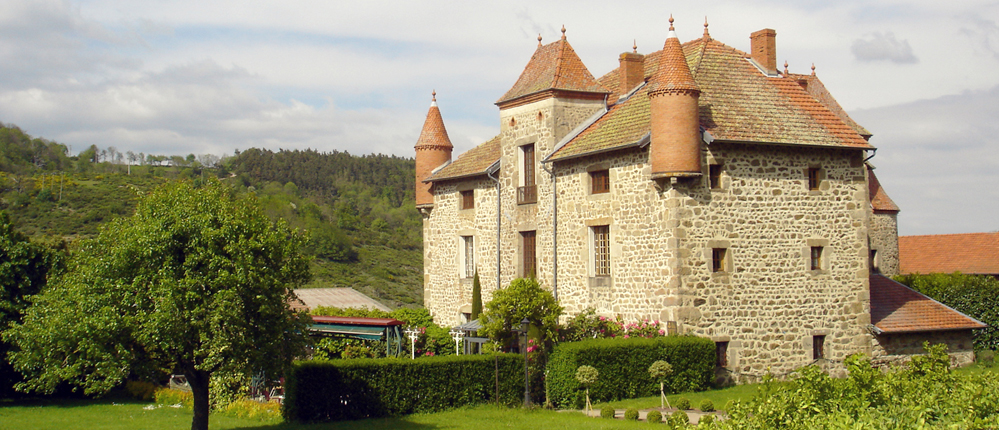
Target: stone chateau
(699,185)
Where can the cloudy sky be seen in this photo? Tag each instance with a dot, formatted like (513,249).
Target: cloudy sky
(179,77)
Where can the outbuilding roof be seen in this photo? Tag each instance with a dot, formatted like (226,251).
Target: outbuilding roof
(970,253)
(896,308)
(310,298)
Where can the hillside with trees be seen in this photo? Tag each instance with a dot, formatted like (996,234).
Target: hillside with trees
(357,210)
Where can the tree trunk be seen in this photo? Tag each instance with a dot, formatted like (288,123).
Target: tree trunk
(199,387)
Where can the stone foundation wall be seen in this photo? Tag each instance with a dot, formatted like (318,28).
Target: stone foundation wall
(896,349)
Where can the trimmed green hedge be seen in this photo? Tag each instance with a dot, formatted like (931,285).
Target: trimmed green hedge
(623,365)
(974,295)
(365,388)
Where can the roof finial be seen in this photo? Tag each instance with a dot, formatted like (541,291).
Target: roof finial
(563,31)
(706,35)
(813,69)
(785,67)
(634,46)
(671,22)
(433,95)
(539,40)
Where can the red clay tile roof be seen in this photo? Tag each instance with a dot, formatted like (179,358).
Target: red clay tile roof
(473,162)
(434,134)
(814,86)
(971,253)
(673,73)
(896,308)
(879,198)
(737,103)
(554,66)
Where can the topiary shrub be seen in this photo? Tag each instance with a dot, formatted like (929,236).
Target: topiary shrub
(706,420)
(682,403)
(707,405)
(631,414)
(679,419)
(607,412)
(729,405)
(654,417)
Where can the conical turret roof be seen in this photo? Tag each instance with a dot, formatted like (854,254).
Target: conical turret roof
(434,135)
(673,73)
(554,66)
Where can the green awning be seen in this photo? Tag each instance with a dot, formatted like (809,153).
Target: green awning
(358,332)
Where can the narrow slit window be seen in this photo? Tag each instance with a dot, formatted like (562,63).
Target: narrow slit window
(721,354)
(818,347)
(714,176)
(529,263)
(816,260)
(468,243)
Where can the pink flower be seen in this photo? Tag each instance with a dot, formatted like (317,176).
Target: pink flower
(625,336)
(603,319)
(531,349)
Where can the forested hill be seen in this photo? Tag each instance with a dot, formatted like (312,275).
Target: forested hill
(358,210)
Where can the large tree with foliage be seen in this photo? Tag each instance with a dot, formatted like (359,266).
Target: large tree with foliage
(524,298)
(198,281)
(24,270)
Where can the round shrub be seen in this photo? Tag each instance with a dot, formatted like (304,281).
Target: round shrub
(679,419)
(587,375)
(631,414)
(607,412)
(660,370)
(707,405)
(729,405)
(682,403)
(707,420)
(654,417)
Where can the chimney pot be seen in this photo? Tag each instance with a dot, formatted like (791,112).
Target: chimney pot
(632,70)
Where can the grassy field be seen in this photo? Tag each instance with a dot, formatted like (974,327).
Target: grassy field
(132,414)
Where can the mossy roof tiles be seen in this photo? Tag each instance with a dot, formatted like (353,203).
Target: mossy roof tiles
(554,66)
(737,103)
(473,162)
(896,308)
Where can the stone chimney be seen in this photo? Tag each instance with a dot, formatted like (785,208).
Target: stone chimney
(433,149)
(675,148)
(763,45)
(632,69)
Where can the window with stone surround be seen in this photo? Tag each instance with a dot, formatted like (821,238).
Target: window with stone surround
(718,257)
(714,176)
(468,199)
(816,258)
(814,178)
(601,250)
(528,267)
(466,256)
(721,354)
(528,190)
(818,347)
(600,181)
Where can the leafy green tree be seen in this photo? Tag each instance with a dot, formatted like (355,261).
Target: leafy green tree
(24,271)
(476,297)
(524,298)
(197,282)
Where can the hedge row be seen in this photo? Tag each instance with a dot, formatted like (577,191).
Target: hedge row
(623,366)
(365,388)
(973,295)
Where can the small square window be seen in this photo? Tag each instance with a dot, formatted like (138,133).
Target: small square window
(718,259)
(721,354)
(816,260)
(818,347)
(814,178)
(714,176)
(468,199)
(599,182)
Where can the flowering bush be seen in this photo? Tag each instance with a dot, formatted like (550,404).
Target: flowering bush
(645,328)
(588,325)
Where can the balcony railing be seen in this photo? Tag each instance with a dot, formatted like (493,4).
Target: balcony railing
(526,195)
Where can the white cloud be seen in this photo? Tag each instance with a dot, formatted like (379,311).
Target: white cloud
(939,161)
(883,47)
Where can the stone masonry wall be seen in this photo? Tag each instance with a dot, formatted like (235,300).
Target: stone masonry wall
(884,238)
(768,303)
(895,349)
